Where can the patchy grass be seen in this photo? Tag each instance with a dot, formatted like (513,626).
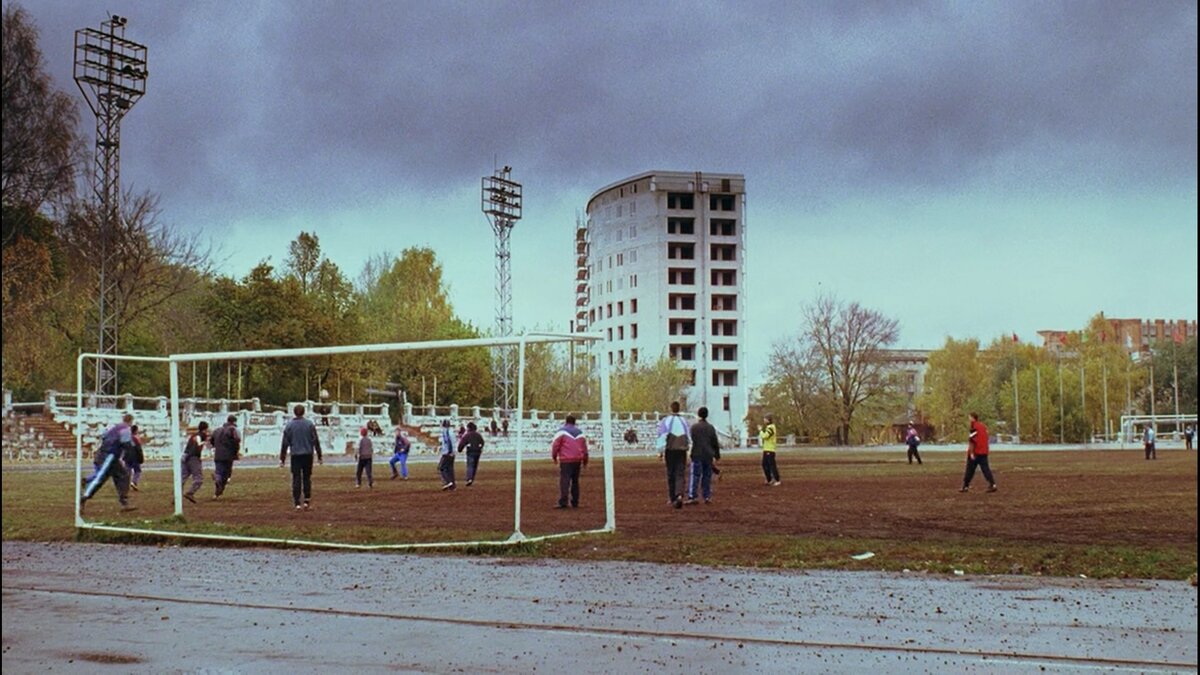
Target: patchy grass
(1103,514)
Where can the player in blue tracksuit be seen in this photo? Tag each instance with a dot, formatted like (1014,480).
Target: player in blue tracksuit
(117,441)
(400,454)
(446,463)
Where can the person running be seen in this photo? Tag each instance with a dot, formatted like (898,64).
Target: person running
(672,444)
(1148,439)
(569,451)
(117,440)
(192,467)
(300,437)
(472,442)
(227,445)
(134,458)
(706,449)
(400,454)
(768,436)
(977,455)
(446,461)
(364,455)
(912,440)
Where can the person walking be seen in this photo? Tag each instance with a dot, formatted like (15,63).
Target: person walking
(446,461)
(472,442)
(134,458)
(364,454)
(706,449)
(300,438)
(116,441)
(672,444)
(227,446)
(569,451)
(192,466)
(1189,432)
(768,437)
(400,454)
(1148,439)
(912,440)
(977,455)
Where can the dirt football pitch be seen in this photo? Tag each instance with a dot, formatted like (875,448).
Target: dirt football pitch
(1099,513)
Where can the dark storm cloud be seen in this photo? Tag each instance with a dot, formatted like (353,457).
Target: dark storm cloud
(297,106)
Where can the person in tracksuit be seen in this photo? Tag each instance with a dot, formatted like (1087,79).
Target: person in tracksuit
(300,437)
(472,442)
(912,440)
(400,454)
(227,445)
(769,437)
(977,455)
(569,450)
(364,455)
(446,461)
(192,467)
(117,440)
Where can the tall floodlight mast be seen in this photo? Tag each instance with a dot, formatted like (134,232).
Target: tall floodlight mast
(502,206)
(111,73)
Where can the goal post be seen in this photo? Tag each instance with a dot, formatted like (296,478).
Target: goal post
(519,342)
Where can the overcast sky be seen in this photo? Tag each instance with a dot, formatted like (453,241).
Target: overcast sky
(970,168)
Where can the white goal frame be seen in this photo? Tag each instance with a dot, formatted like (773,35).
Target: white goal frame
(521,341)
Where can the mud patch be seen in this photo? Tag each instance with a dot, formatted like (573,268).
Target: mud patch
(96,657)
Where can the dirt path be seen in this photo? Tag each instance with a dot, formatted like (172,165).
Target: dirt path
(74,607)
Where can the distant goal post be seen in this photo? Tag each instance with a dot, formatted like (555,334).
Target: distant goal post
(519,341)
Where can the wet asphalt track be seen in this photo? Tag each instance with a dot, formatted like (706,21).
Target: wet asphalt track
(103,608)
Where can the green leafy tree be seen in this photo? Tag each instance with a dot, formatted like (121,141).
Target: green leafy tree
(649,386)
(956,383)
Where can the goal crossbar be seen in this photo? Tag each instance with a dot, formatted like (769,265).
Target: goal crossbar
(520,342)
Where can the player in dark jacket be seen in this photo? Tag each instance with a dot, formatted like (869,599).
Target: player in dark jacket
(706,449)
(472,442)
(227,445)
(134,458)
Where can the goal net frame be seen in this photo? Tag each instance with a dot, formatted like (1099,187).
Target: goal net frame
(520,342)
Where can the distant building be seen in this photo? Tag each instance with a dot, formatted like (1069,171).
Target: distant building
(660,272)
(1133,334)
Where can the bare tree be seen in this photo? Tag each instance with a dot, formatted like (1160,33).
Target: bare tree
(42,148)
(150,264)
(849,339)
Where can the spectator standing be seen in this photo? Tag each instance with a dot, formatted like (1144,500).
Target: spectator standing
(706,449)
(227,446)
(446,461)
(300,438)
(400,454)
(912,440)
(672,444)
(504,426)
(1148,437)
(1189,433)
(134,458)
(117,440)
(472,442)
(192,466)
(493,429)
(364,455)
(570,452)
(769,437)
(977,455)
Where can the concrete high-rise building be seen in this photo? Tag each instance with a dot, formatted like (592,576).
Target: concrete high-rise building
(660,272)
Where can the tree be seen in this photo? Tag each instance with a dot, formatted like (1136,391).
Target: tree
(956,383)
(795,392)
(643,387)
(41,144)
(848,340)
(304,256)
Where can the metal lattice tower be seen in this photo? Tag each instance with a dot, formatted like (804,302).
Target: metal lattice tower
(502,206)
(111,73)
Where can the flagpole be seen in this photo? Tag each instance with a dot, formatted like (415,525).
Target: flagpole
(1083,402)
(1060,403)
(1104,376)
(1038,374)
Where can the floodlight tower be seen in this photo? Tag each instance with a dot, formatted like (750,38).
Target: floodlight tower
(502,207)
(111,73)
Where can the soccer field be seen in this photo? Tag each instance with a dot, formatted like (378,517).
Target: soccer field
(1098,513)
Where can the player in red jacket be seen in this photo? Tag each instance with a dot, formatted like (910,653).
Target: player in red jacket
(977,455)
(569,451)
